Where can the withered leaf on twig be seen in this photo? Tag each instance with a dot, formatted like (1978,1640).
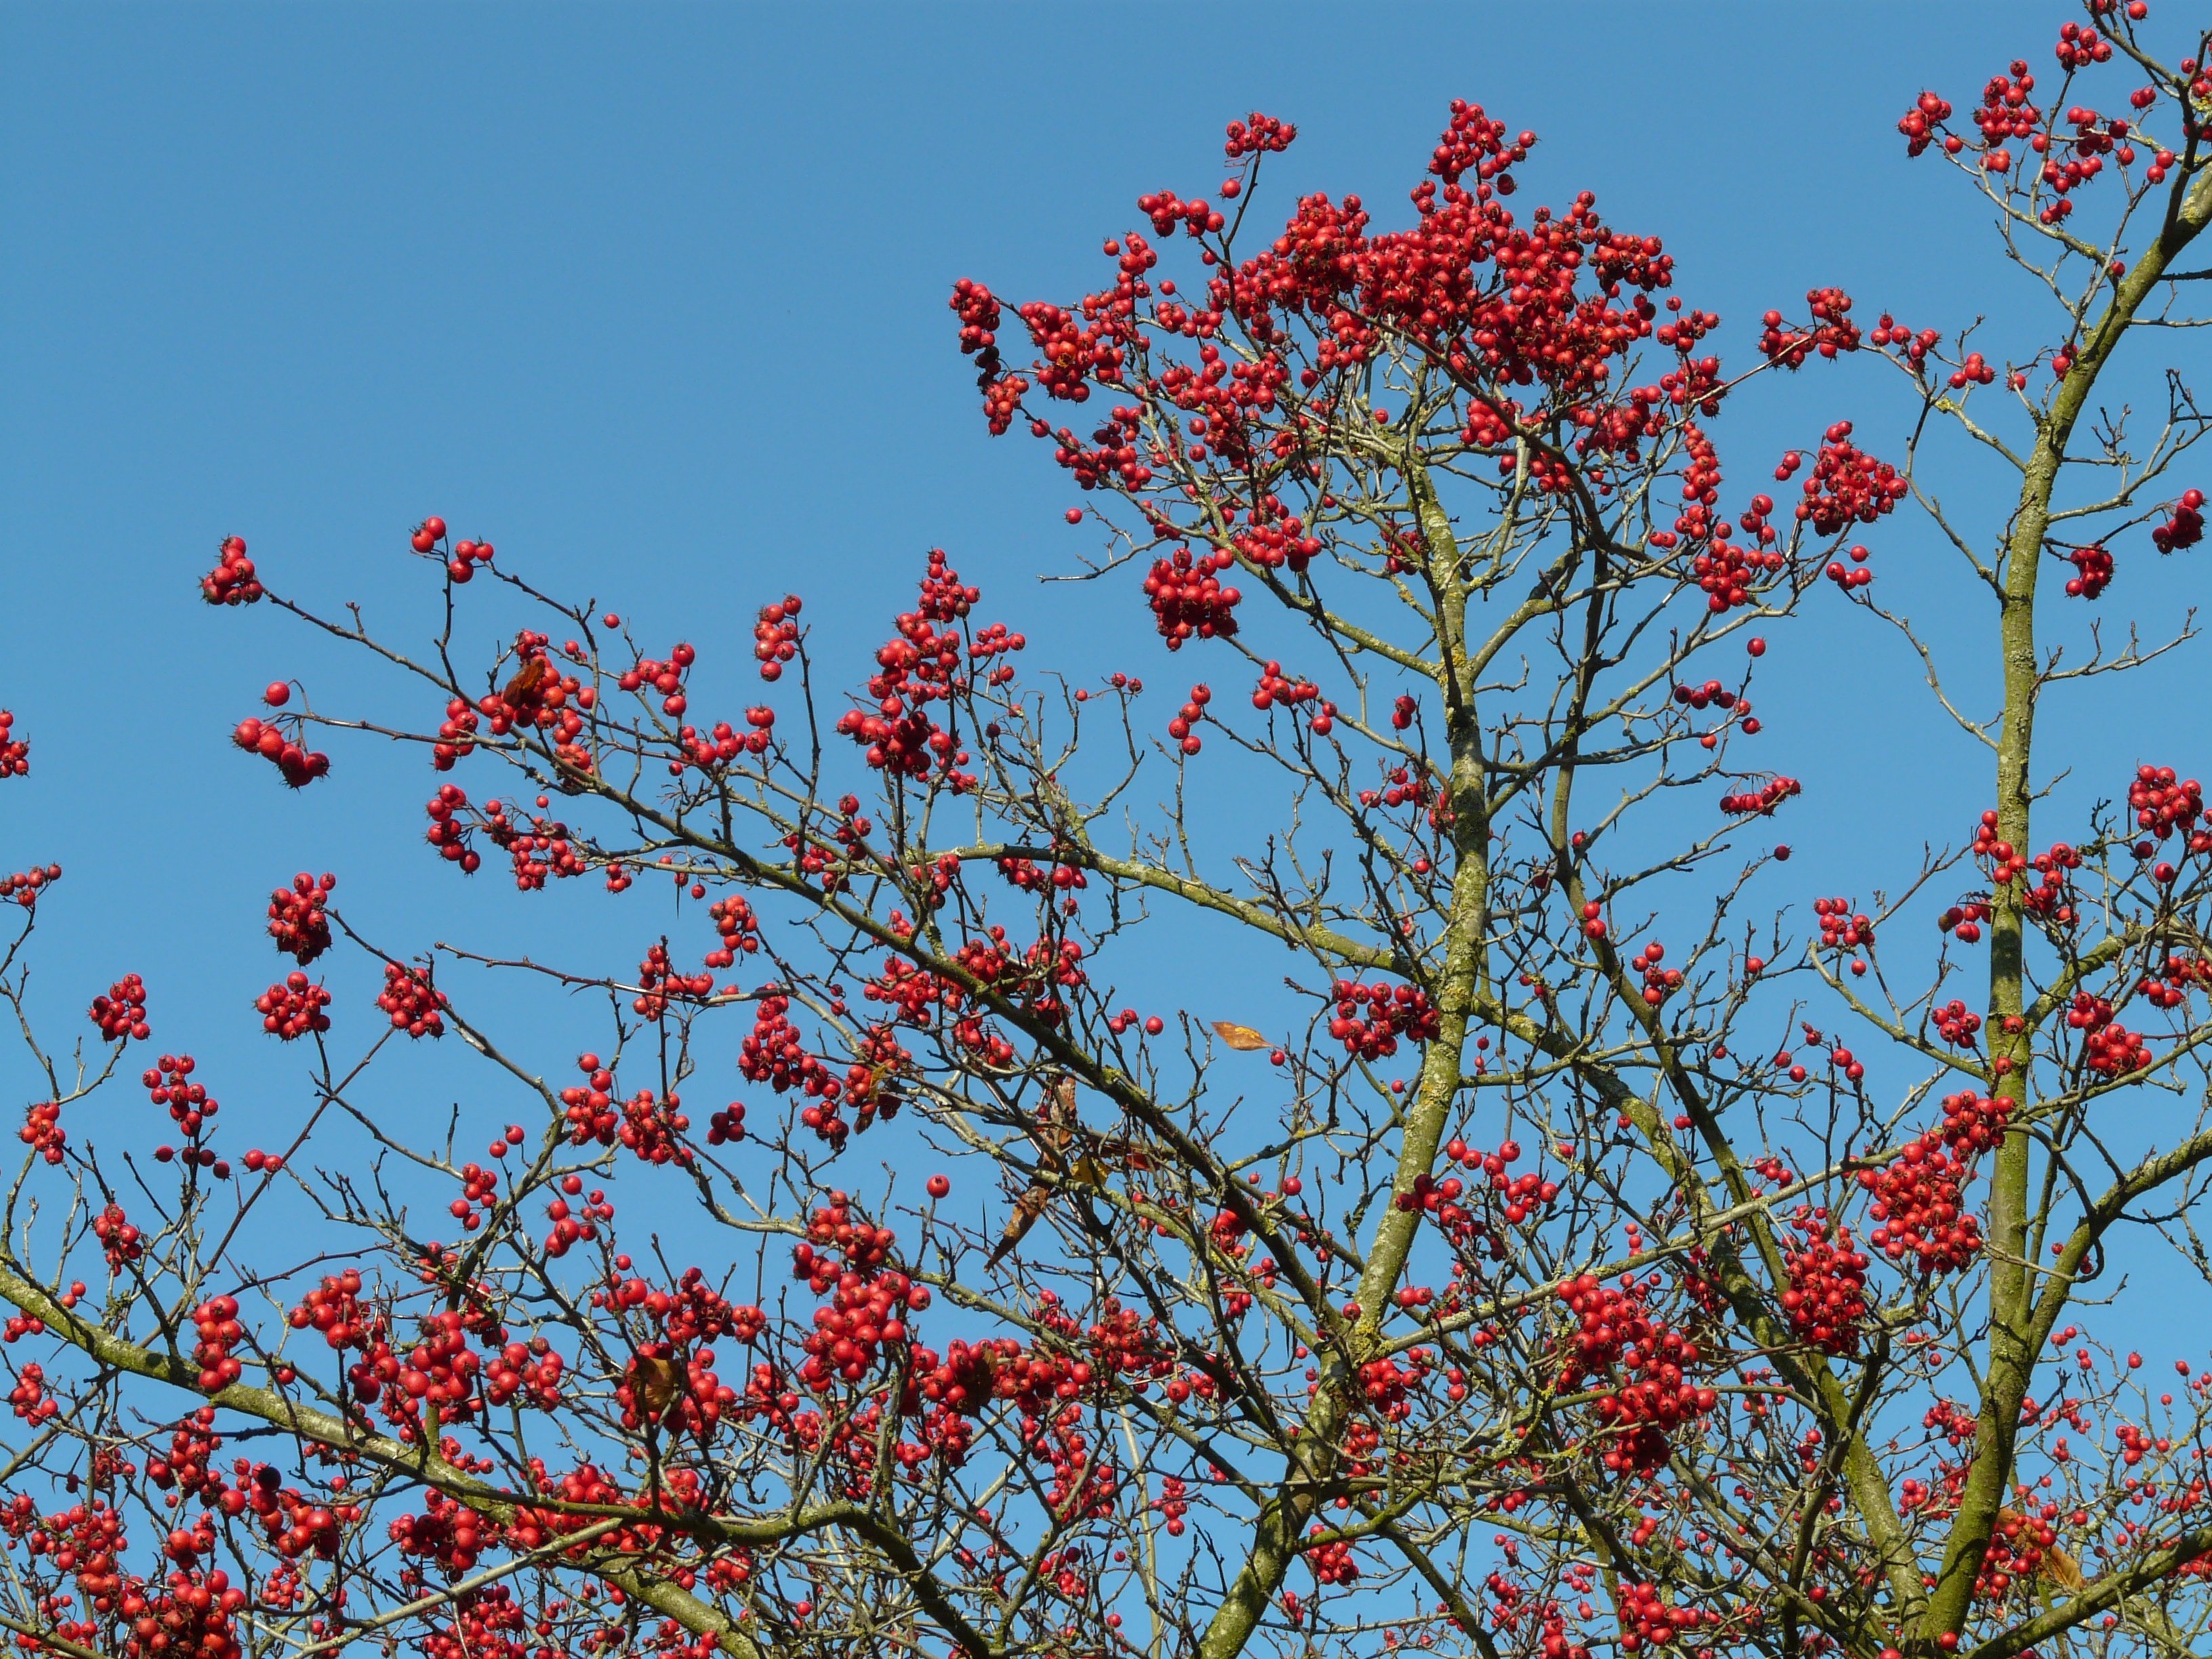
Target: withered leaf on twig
(1027,1208)
(522,690)
(1243,1039)
(657,1383)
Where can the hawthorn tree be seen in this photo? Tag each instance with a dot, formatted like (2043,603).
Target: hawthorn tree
(1593,1249)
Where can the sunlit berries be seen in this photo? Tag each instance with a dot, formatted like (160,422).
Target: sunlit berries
(232,581)
(300,767)
(293,1007)
(14,751)
(2186,528)
(411,1001)
(121,1014)
(775,635)
(297,919)
(1187,598)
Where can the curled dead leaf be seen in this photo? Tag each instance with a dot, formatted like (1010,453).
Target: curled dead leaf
(1243,1039)
(1027,1208)
(522,691)
(657,1381)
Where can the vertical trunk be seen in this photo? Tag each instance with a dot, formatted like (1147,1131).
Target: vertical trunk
(2010,1365)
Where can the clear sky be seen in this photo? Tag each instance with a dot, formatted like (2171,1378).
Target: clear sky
(654,298)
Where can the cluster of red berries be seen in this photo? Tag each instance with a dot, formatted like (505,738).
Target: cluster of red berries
(1912,347)
(1920,122)
(570,1228)
(1764,800)
(773,1054)
(479,1185)
(2092,569)
(448,833)
(456,736)
(118,1237)
(1647,1365)
(1257,134)
(2186,528)
(775,635)
(978,311)
(2081,45)
(1659,983)
(665,679)
(232,581)
(2005,112)
(1402,787)
(531,1371)
(1972,1123)
(2169,986)
(1711,694)
(1918,1198)
(1371,1018)
(1648,1620)
(189,1616)
(659,983)
(1957,1024)
(24,887)
(440,1370)
(590,1105)
(724,742)
(1965,919)
(1841,928)
(465,557)
(216,1320)
(543,850)
(299,917)
(29,1398)
(412,1001)
(1852,575)
(653,1129)
(1187,599)
(2108,1048)
(449,1534)
(921,666)
(42,1131)
(1002,401)
(2164,802)
(1826,1303)
(335,1309)
(300,767)
(14,751)
(1333,1563)
(734,920)
(1272,542)
(1522,1195)
(121,1014)
(1847,485)
(1166,209)
(2020,1551)
(190,1104)
(1728,574)
(1832,330)
(294,1007)
(1187,717)
(1999,856)
(865,1315)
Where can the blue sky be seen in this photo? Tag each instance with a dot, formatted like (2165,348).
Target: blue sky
(654,297)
